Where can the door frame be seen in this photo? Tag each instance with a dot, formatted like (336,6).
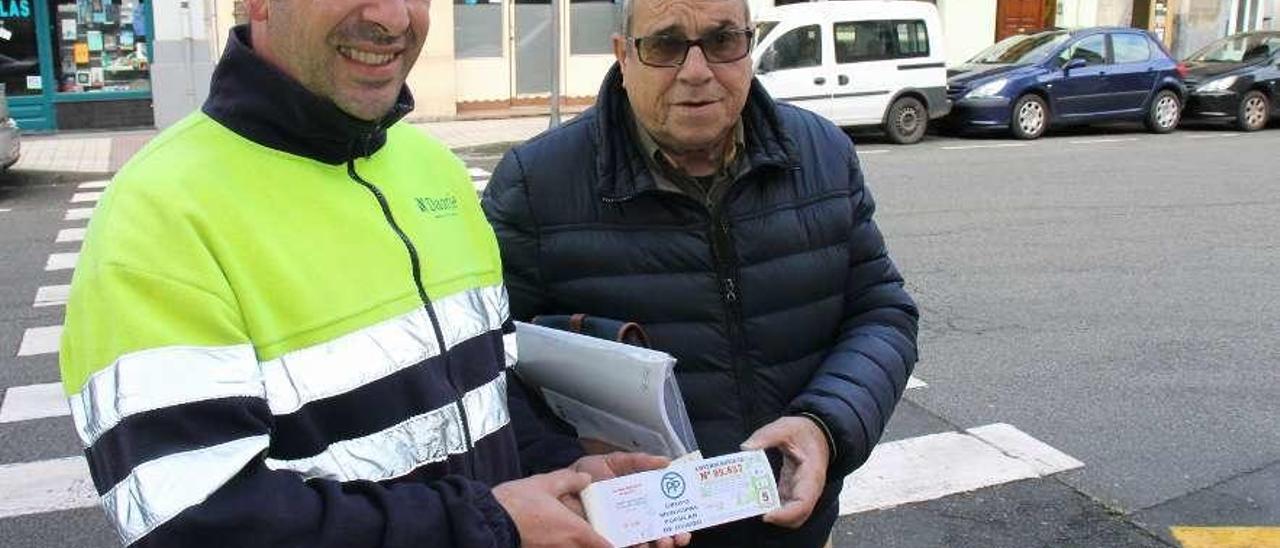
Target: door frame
(1048,15)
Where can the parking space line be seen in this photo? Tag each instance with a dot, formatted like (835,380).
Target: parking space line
(1214,136)
(53,295)
(45,486)
(40,340)
(938,465)
(38,401)
(1101,141)
(5,210)
(62,261)
(78,214)
(873,151)
(83,197)
(70,235)
(91,185)
(975,147)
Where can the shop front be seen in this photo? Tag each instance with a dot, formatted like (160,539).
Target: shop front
(77,64)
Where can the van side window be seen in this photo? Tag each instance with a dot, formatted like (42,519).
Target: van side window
(798,48)
(859,41)
(913,39)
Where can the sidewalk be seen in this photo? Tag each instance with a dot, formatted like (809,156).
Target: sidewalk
(106,152)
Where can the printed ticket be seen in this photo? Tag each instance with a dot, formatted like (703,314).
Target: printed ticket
(687,496)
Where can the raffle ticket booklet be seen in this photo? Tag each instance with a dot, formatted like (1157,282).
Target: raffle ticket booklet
(686,496)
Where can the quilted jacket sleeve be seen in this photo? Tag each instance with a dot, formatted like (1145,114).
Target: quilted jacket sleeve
(855,390)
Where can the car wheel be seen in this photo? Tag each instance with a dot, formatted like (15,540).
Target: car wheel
(907,121)
(1254,113)
(1030,117)
(1165,113)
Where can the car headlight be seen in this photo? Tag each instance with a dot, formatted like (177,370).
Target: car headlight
(1221,84)
(989,89)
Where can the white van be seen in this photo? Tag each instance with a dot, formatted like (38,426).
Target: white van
(857,62)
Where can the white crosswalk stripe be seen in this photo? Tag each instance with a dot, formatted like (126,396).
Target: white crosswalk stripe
(938,465)
(45,486)
(38,401)
(40,340)
(53,295)
(78,214)
(82,197)
(94,185)
(62,261)
(70,235)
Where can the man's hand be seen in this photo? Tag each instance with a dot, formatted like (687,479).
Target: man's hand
(612,465)
(541,517)
(804,467)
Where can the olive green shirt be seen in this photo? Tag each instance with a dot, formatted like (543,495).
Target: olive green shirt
(707,190)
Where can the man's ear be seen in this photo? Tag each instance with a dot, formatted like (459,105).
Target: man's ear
(258,9)
(620,49)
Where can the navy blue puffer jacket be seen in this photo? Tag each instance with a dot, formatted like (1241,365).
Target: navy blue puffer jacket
(779,300)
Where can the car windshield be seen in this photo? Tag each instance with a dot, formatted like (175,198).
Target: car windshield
(1240,48)
(1023,49)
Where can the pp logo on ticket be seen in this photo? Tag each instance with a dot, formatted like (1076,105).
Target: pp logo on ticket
(673,485)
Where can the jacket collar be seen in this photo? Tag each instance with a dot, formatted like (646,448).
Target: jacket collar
(264,105)
(620,163)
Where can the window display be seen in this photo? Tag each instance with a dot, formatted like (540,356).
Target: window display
(19,56)
(101,46)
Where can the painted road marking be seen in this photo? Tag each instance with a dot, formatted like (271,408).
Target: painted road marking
(78,214)
(5,210)
(82,197)
(913,383)
(477,173)
(94,185)
(1227,537)
(40,340)
(975,147)
(934,466)
(45,486)
(1101,141)
(52,295)
(1214,136)
(70,235)
(62,261)
(38,401)
(873,151)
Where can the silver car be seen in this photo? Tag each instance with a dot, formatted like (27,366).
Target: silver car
(10,141)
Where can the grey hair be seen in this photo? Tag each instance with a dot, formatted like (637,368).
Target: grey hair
(627,8)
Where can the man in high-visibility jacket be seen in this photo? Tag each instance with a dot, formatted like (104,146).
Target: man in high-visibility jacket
(288,324)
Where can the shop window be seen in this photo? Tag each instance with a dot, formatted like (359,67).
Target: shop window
(101,46)
(477,28)
(19,49)
(591,26)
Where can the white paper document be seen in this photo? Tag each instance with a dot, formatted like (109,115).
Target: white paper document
(684,497)
(620,394)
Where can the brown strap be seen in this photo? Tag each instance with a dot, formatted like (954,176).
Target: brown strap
(575,322)
(632,333)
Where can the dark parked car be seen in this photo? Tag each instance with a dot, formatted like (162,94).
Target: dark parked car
(1029,82)
(1236,79)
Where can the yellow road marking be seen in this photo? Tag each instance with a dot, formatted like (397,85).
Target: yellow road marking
(1227,537)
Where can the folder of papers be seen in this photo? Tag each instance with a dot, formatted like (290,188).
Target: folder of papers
(620,394)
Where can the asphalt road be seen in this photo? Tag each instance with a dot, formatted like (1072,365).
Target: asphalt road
(1109,293)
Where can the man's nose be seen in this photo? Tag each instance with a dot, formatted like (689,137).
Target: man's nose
(391,15)
(696,69)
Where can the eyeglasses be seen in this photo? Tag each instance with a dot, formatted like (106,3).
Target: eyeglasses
(721,46)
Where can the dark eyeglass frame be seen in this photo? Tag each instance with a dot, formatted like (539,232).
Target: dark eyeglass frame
(638,41)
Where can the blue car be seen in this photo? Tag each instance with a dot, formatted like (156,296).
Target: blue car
(1029,82)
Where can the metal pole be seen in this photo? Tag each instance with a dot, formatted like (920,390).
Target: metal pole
(555,63)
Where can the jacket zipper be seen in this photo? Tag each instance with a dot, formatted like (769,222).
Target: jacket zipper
(416,263)
(725,254)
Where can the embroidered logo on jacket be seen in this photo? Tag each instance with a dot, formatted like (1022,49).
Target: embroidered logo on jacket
(446,206)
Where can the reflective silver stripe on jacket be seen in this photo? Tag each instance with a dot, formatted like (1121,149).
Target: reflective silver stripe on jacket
(159,490)
(356,359)
(510,350)
(424,439)
(159,378)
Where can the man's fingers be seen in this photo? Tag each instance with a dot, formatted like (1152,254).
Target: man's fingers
(567,482)
(792,515)
(683,539)
(769,436)
(630,463)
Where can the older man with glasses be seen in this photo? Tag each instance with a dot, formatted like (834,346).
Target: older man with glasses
(739,233)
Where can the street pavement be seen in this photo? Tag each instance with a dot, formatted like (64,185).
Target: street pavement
(1098,359)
